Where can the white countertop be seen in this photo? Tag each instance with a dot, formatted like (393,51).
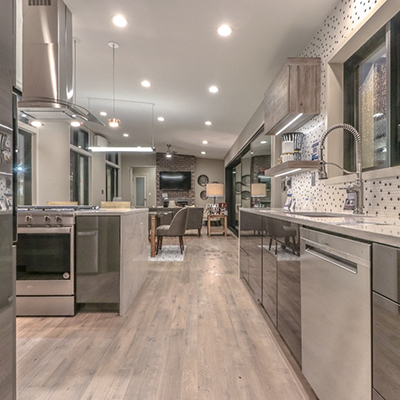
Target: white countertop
(373,229)
(112,211)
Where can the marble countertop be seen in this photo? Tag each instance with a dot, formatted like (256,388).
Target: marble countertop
(112,211)
(374,229)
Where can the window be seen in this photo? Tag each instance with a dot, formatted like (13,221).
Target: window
(79,178)
(111,182)
(371,79)
(79,138)
(24,168)
(112,157)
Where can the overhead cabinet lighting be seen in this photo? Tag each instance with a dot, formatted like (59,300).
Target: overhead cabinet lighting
(136,149)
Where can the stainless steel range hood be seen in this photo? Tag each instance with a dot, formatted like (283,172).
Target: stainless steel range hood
(47,78)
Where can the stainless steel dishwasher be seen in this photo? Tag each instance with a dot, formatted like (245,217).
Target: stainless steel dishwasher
(336,315)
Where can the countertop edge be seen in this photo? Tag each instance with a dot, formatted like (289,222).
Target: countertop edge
(389,235)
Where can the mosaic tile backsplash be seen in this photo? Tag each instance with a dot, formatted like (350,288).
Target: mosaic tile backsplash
(381,196)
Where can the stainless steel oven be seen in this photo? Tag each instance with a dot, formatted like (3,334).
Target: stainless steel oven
(45,263)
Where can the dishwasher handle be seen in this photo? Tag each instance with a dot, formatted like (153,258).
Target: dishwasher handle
(335,260)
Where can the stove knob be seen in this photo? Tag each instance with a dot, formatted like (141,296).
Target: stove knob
(28,218)
(58,219)
(47,218)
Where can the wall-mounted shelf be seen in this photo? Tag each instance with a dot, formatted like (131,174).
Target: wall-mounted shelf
(294,96)
(291,168)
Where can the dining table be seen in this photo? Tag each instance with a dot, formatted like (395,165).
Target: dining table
(155,218)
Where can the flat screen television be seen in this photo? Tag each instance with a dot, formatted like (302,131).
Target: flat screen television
(175,180)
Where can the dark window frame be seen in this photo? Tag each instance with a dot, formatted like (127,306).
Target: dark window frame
(75,177)
(114,182)
(389,34)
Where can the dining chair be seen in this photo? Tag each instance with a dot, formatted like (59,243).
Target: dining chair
(176,228)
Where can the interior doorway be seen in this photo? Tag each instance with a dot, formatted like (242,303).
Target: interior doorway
(143,186)
(139,190)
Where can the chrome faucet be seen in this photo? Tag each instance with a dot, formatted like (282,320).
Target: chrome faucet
(355,188)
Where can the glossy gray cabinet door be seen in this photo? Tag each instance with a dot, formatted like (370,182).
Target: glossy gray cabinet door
(269,297)
(289,301)
(98,259)
(386,347)
(255,256)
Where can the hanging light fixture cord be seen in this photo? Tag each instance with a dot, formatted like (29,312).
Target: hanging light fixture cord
(113,46)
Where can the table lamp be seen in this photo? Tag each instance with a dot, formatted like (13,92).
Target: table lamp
(215,190)
(258,190)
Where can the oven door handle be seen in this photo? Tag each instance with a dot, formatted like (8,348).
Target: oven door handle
(59,229)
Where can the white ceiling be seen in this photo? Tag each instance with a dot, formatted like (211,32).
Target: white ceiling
(174,45)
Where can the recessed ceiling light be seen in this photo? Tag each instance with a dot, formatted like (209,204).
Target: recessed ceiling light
(73,115)
(213,89)
(23,115)
(126,134)
(263,142)
(161,119)
(146,83)
(75,124)
(119,20)
(224,30)
(103,113)
(36,124)
(203,152)
(205,142)
(208,123)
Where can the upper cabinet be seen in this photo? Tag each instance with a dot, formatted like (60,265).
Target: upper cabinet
(294,96)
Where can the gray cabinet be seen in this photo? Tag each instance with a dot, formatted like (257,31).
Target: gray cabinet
(98,259)
(251,251)
(270,263)
(269,282)
(294,93)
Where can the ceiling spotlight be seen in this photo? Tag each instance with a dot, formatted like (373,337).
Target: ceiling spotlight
(161,119)
(263,142)
(126,134)
(75,124)
(103,113)
(23,115)
(119,20)
(205,142)
(146,83)
(36,123)
(213,89)
(203,152)
(224,30)
(208,123)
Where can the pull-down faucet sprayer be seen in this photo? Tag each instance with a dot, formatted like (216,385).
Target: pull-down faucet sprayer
(355,188)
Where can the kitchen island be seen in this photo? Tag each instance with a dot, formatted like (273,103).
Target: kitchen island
(111,257)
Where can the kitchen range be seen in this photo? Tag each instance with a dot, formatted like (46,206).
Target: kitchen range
(45,260)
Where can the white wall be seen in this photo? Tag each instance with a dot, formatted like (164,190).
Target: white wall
(215,171)
(129,160)
(53,163)
(98,178)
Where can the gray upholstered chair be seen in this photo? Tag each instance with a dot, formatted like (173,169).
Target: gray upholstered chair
(276,229)
(176,228)
(195,219)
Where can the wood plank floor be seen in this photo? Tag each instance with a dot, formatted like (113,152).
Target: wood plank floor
(192,333)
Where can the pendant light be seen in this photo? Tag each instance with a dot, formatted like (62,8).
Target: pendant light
(113,122)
